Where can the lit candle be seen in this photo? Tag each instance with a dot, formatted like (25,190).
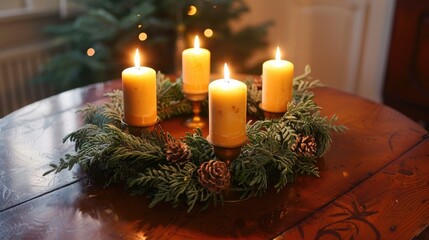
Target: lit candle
(227,112)
(196,69)
(277,79)
(139,89)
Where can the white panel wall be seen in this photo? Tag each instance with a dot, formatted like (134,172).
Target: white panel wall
(344,41)
(327,34)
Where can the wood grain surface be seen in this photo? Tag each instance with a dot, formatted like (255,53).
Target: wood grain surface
(367,169)
(392,204)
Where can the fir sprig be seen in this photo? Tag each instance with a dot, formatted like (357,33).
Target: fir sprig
(104,150)
(171,101)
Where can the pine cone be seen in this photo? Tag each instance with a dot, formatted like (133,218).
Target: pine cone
(177,151)
(305,146)
(214,176)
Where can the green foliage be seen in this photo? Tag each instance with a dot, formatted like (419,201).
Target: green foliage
(171,101)
(112,29)
(103,149)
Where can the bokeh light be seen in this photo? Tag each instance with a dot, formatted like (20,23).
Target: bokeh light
(142,36)
(90,52)
(208,32)
(192,10)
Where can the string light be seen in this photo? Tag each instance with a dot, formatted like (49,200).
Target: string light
(90,52)
(208,32)
(192,10)
(142,36)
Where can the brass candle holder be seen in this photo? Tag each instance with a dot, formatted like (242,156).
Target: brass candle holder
(196,121)
(271,115)
(138,130)
(226,154)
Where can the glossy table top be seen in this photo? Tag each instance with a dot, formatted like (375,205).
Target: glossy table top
(374,183)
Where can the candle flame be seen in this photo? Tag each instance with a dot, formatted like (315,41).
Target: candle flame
(137,58)
(278,56)
(196,42)
(226,72)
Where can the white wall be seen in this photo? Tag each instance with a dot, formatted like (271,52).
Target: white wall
(344,41)
(375,53)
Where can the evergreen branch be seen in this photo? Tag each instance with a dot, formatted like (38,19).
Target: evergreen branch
(201,149)
(102,148)
(171,101)
(307,168)
(250,175)
(305,82)
(175,109)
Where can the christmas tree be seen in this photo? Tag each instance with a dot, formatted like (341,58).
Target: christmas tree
(99,41)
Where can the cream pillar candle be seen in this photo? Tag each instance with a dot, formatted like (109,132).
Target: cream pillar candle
(277,79)
(139,91)
(196,69)
(227,112)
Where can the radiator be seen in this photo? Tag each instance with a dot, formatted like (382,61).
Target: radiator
(17,67)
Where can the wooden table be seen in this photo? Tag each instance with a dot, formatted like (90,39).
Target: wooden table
(374,183)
